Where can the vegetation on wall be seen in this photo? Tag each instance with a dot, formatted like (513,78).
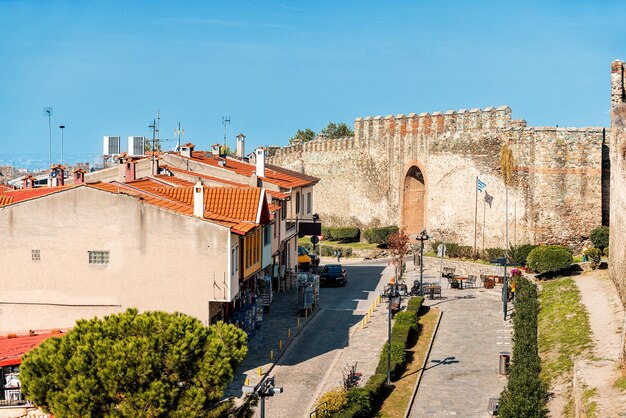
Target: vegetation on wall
(331,131)
(158,363)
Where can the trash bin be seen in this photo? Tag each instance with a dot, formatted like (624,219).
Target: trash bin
(505,359)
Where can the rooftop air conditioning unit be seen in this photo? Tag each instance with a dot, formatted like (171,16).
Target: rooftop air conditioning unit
(111,145)
(136,146)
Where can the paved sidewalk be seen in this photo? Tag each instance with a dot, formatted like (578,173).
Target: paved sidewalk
(282,316)
(462,371)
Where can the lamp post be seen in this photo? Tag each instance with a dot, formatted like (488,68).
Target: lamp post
(316,218)
(423,236)
(62,127)
(391,292)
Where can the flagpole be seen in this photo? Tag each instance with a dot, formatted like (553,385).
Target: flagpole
(476,216)
(484,218)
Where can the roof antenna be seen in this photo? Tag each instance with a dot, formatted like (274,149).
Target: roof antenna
(180,132)
(225,122)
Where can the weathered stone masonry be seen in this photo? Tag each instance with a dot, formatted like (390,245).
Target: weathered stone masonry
(557,197)
(617,250)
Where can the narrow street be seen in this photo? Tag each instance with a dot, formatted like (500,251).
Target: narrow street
(303,369)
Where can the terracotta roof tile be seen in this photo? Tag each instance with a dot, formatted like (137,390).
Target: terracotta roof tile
(204,176)
(174,181)
(273,174)
(12,349)
(20,195)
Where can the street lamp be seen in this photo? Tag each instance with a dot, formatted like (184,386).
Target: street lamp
(62,127)
(390,292)
(423,236)
(267,387)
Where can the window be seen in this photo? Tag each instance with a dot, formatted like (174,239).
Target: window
(297,202)
(233,261)
(98,257)
(267,235)
(36,255)
(283,210)
(274,228)
(309,202)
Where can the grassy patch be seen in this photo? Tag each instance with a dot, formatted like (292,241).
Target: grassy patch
(589,407)
(564,330)
(620,383)
(353,245)
(396,403)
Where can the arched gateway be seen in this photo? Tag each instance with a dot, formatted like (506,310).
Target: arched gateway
(413,215)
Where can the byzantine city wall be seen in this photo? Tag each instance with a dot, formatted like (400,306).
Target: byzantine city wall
(617,250)
(557,196)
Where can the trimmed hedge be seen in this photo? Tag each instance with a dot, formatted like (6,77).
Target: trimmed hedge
(600,237)
(363,402)
(329,251)
(342,234)
(525,394)
(549,258)
(379,235)
(454,250)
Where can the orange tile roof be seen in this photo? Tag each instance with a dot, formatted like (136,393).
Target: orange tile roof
(12,349)
(174,181)
(4,188)
(20,195)
(273,174)
(278,195)
(204,176)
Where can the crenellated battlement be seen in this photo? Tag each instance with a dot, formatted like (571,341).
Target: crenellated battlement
(413,124)
(317,145)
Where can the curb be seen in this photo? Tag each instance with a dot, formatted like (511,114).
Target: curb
(419,377)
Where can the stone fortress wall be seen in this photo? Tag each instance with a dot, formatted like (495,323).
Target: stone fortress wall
(557,197)
(617,250)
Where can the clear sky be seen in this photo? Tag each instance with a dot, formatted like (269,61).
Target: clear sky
(277,66)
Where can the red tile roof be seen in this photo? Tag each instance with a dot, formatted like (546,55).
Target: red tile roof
(20,195)
(12,349)
(204,176)
(4,188)
(174,181)
(273,174)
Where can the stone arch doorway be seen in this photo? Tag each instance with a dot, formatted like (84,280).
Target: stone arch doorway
(413,215)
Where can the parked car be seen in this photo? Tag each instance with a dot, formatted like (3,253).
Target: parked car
(334,274)
(307,259)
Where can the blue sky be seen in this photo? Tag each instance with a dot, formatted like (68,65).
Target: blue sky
(277,66)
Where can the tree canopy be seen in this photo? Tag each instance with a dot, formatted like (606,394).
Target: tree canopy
(150,364)
(331,131)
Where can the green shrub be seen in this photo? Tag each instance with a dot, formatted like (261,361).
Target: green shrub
(360,398)
(400,334)
(600,237)
(407,317)
(377,385)
(520,253)
(595,256)
(495,252)
(307,245)
(344,234)
(414,304)
(549,258)
(379,235)
(525,394)
(326,233)
(332,401)
(605,252)
(398,359)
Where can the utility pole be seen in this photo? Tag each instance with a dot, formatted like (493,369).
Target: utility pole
(62,127)
(47,111)
(264,389)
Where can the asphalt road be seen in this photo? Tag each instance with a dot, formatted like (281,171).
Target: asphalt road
(307,362)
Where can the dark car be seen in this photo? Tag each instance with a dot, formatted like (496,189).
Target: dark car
(334,274)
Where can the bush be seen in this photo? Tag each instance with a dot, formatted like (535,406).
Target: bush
(520,253)
(595,256)
(326,233)
(491,253)
(525,394)
(332,401)
(379,235)
(414,304)
(307,245)
(600,237)
(407,317)
(344,234)
(605,252)
(377,385)
(549,258)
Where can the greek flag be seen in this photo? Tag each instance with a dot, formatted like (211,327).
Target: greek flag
(481,186)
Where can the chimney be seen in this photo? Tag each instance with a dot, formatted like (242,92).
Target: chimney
(198,200)
(28,182)
(241,146)
(186,150)
(215,150)
(259,155)
(79,176)
(129,171)
(57,173)
(155,166)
